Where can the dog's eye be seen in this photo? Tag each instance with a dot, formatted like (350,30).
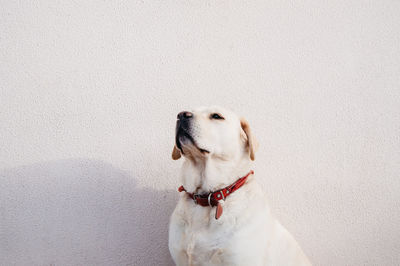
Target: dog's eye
(216,116)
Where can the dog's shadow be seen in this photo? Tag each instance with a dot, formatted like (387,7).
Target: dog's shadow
(81,212)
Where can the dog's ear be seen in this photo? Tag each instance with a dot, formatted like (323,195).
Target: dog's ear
(252,143)
(176,153)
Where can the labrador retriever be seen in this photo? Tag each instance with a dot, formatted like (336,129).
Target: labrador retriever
(222,216)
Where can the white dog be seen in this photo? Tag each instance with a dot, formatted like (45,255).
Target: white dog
(222,217)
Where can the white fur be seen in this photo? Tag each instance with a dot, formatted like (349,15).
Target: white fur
(247,233)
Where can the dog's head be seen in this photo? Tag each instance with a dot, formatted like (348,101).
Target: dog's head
(212,131)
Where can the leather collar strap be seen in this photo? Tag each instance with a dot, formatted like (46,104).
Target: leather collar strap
(212,198)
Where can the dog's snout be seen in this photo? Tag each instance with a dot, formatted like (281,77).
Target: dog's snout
(185,115)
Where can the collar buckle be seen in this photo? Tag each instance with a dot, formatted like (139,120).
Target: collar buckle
(219,195)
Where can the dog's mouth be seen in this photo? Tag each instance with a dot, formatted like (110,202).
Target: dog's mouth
(183,134)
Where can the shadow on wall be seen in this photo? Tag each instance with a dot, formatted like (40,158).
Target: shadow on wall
(81,212)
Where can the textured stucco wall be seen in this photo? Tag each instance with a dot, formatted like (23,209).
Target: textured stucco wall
(89,91)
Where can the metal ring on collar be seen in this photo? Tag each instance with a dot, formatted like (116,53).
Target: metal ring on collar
(209,199)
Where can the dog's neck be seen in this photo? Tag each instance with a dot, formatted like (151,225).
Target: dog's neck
(206,175)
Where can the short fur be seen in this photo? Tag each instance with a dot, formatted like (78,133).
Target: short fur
(218,152)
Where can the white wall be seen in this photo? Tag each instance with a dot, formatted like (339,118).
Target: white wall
(89,91)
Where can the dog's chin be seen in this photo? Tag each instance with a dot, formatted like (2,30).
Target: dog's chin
(187,144)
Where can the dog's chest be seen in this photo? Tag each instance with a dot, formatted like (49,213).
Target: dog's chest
(202,238)
(197,238)
(206,241)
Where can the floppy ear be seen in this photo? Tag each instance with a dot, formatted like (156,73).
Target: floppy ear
(252,143)
(176,153)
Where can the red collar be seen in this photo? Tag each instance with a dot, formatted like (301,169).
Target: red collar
(212,199)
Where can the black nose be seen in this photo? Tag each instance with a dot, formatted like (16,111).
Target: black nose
(185,115)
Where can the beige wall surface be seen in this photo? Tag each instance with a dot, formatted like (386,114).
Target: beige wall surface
(89,92)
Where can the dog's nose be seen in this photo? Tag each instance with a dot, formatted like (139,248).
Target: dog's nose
(185,115)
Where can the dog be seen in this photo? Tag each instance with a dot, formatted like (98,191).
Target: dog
(222,216)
